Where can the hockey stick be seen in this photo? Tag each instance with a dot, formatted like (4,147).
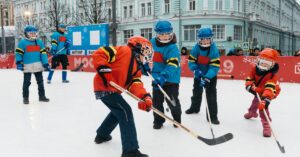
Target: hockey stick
(162,90)
(208,114)
(78,67)
(281,148)
(210,142)
(225,76)
(57,53)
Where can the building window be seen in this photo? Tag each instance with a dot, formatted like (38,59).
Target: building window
(149,8)
(192,4)
(190,32)
(219,4)
(125,12)
(147,33)
(143,9)
(238,32)
(167,6)
(219,31)
(239,6)
(130,11)
(127,34)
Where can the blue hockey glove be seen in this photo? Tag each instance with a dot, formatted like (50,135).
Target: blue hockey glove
(47,67)
(20,66)
(160,80)
(67,43)
(53,52)
(204,82)
(198,74)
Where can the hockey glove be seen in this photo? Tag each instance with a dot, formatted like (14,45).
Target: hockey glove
(47,67)
(20,65)
(160,80)
(67,43)
(198,74)
(146,104)
(204,82)
(264,104)
(146,69)
(102,70)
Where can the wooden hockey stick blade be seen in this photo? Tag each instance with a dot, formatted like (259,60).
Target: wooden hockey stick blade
(217,140)
(78,68)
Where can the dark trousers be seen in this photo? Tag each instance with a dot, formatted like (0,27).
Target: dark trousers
(211,97)
(158,99)
(120,113)
(27,82)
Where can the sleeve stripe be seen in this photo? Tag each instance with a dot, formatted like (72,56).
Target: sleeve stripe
(192,59)
(173,62)
(20,51)
(54,42)
(43,51)
(110,52)
(270,85)
(135,80)
(215,62)
(249,79)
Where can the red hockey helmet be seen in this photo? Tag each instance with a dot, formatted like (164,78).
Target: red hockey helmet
(267,59)
(144,45)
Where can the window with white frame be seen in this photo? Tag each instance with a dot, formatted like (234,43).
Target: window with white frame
(149,8)
(147,33)
(219,32)
(127,34)
(238,32)
(190,32)
(125,12)
(219,4)
(143,9)
(167,6)
(130,11)
(192,4)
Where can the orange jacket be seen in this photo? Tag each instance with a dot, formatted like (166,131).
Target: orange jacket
(267,85)
(119,59)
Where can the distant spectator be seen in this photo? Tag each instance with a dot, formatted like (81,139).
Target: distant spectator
(183,51)
(235,52)
(297,53)
(231,52)
(255,52)
(279,51)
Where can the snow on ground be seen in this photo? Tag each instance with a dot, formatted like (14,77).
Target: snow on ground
(65,127)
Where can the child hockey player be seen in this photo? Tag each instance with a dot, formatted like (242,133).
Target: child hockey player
(31,57)
(121,65)
(59,51)
(263,80)
(166,71)
(204,61)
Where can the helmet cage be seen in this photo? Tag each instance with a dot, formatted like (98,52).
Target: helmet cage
(201,39)
(169,35)
(265,64)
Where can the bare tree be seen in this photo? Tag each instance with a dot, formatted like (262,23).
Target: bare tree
(95,11)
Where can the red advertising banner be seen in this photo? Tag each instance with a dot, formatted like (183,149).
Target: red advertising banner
(239,67)
(236,66)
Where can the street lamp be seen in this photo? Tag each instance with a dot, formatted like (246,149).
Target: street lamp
(27,15)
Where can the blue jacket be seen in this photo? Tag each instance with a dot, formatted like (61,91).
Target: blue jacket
(208,63)
(58,42)
(166,62)
(29,51)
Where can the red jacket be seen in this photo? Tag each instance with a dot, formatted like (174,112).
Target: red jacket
(267,83)
(119,59)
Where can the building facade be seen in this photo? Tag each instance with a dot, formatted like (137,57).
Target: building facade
(235,23)
(7,9)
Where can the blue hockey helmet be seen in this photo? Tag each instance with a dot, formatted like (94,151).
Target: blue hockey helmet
(30,32)
(205,37)
(163,26)
(62,26)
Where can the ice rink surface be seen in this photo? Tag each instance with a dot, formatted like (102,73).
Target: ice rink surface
(66,126)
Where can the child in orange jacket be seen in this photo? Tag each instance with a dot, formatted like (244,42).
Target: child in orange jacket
(264,81)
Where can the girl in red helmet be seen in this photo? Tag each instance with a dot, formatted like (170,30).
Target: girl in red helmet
(264,81)
(121,65)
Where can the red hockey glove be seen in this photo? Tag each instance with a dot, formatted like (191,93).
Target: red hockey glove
(264,104)
(145,104)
